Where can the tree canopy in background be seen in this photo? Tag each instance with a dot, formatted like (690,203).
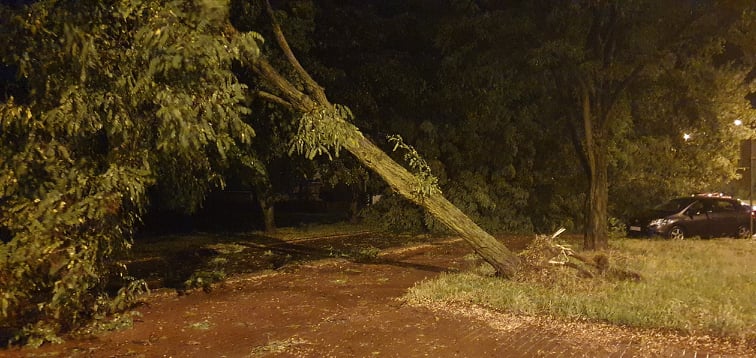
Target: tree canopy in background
(536,115)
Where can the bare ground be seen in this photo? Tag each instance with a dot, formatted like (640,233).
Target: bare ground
(322,298)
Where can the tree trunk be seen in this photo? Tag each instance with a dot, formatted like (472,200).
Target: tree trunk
(494,252)
(354,206)
(312,99)
(598,198)
(269,215)
(266,199)
(596,235)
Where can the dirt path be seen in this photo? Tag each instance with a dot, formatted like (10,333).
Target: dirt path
(334,307)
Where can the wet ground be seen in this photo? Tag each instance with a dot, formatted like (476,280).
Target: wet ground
(338,296)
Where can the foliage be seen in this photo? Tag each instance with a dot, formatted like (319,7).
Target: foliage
(687,287)
(368,254)
(204,279)
(427,183)
(622,68)
(617,228)
(395,214)
(441,90)
(119,98)
(320,134)
(122,95)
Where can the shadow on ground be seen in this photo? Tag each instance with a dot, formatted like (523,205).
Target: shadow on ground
(196,260)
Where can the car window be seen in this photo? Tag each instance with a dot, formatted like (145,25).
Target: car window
(696,208)
(675,205)
(723,206)
(732,206)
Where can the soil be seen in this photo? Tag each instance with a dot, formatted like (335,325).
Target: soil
(340,296)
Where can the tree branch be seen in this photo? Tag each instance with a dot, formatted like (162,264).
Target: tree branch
(273,98)
(295,97)
(312,86)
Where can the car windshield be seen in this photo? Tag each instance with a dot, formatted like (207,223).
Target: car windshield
(675,205)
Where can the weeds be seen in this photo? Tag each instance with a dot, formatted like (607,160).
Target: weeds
(204,279)
(114,322)
(368,254)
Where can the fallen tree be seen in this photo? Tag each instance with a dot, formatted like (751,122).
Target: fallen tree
(324,126)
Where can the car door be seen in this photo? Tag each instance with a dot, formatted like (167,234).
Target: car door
(723,219)
(696,222)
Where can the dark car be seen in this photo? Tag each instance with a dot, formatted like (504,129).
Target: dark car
(699,215)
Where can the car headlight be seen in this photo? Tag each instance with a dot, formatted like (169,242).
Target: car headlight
(659,222)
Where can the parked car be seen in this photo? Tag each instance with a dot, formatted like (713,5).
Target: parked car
(698,215)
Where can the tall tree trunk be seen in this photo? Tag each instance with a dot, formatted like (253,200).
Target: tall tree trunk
(596,234)
(598,198)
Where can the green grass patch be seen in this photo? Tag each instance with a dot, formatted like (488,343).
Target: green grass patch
(695,287)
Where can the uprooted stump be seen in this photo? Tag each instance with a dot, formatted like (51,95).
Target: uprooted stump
(543,257)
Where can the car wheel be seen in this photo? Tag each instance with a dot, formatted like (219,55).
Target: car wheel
(743,232)
(676,233)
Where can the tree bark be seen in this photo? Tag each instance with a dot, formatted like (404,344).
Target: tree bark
(596,234)
(598,199)
(402,181)
(269,214)
(354,206)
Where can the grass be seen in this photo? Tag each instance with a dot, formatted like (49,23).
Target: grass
(695,287)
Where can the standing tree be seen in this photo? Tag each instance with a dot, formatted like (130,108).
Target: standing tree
(121,95)
(599,60)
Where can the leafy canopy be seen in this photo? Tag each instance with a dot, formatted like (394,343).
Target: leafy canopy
(121,95)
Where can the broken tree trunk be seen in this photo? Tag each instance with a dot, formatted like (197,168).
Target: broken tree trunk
(543,255)
(314,100)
